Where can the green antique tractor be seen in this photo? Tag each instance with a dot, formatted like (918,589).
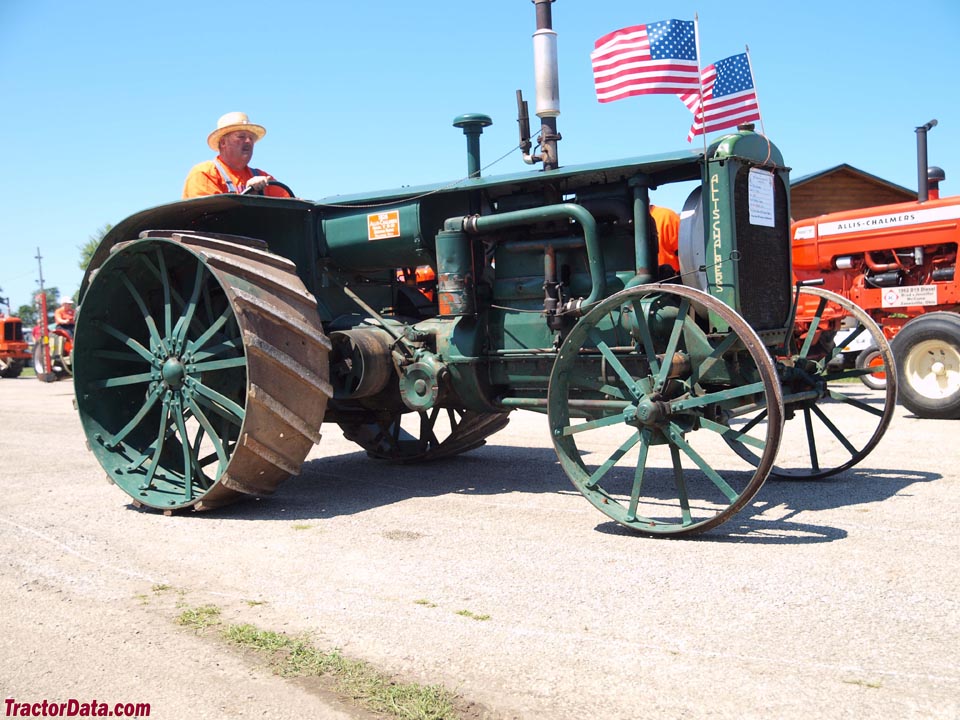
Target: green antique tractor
(216,334)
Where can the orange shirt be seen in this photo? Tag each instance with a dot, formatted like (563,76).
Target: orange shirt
(668,231)
(205,179)
(64,315)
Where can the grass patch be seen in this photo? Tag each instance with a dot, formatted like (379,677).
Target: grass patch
(295,656)
(302,526)
(160,587)
(199,618)
(472,616)
(254,603)
(425,603)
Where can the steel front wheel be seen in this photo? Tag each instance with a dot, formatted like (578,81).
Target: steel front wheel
(831,422)
(639,400)
(200,369)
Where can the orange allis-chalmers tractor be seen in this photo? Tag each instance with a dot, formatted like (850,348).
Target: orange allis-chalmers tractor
(898,263)
(14,351)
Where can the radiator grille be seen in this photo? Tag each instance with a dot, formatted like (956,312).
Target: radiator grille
(765,274)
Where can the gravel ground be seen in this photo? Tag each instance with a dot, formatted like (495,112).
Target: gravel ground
(834,599)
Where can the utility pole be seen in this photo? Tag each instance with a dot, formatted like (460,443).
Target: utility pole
(47,375)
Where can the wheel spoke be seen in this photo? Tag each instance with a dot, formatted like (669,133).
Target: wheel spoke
(856,403)
(234,347)
(127,340)
(152,398)
(841,438)
(761,416)
(188,457)
(645,436)
(717,397)
(811,440)
(427,438)
(581,380)
(855,372)
(221,405)
(672,344)
(849,340)
(199,462)
(698,372)
(214,328)
(681,485)
(161,437)
(117,355)
(165,281)
(121,381)
(593,424)
(212,365)
(612,460)
(646,338)
(730,434)
(147,317)
(615,363)
(173,291)
(207,427)
(674,433)
(814,324)
(183,324)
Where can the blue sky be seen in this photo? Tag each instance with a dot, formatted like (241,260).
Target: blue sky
(107,104)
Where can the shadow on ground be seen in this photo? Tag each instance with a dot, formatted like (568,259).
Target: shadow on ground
(353,483)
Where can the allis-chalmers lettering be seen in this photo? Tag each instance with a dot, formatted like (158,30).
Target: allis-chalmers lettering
(715,230)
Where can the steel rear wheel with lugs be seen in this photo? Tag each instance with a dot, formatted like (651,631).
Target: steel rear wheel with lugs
(201,369)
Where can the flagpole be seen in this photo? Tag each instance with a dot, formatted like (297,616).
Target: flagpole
(696,38)
(756,92)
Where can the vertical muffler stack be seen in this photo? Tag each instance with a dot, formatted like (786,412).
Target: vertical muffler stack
(547,77)
(922,181)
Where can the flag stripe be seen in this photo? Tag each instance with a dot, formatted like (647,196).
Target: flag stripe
(645,59)
(735,101)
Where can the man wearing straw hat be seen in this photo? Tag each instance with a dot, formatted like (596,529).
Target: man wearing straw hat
(230,171)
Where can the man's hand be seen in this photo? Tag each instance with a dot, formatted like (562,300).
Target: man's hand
(257,183)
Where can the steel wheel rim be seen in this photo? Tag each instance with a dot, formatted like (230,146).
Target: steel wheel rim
(704,497)
(163,367)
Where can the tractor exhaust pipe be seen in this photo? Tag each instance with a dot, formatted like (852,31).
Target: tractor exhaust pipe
(547,75)
(922,182)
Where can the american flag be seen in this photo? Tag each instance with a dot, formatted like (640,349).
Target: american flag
(660,57)
(729,97)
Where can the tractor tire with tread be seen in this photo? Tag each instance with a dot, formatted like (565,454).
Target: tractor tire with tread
(927,351)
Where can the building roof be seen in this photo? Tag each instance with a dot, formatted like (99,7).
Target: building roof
(856,171)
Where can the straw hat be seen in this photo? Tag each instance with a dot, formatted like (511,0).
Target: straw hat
(231,122)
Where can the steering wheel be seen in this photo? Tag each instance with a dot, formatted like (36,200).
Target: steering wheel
(249,191)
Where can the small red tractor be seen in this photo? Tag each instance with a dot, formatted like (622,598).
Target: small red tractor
(14,351)
(898,263)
